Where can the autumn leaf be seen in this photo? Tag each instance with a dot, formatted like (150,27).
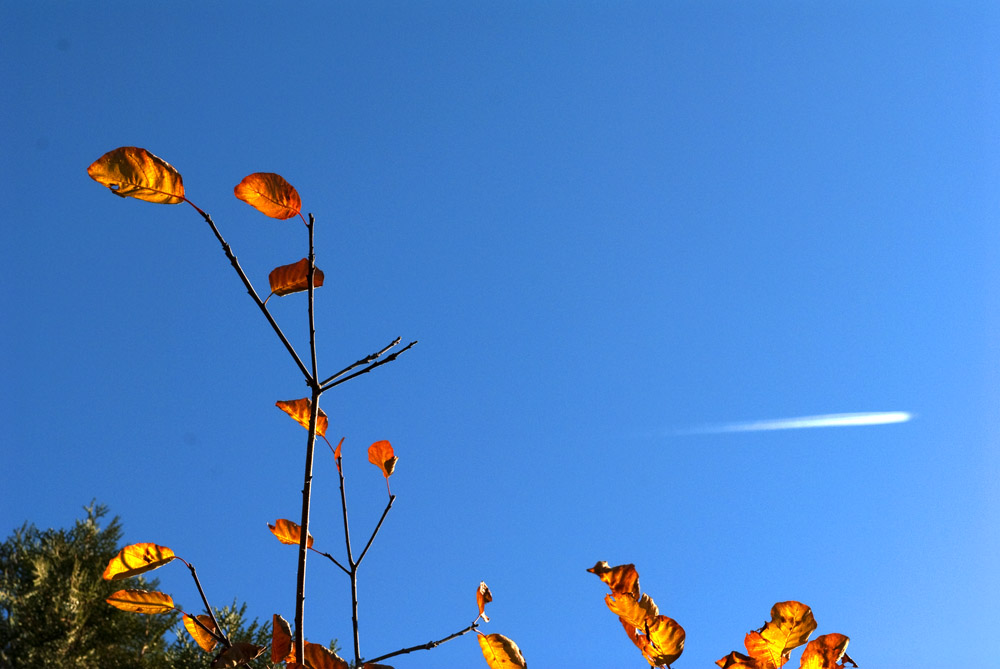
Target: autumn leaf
(282,649)
(636,613)
(201,637)
(790,626)
(623,579)
(136,559)
(483,597)
(269,194)
(141,601)
(293,278)
(826,652)
(737,661)
(321,657)
(239,653)
(500,652)
(666,639)
(288,532)
(300,411)
(336,454)
(380,454)
(133,172)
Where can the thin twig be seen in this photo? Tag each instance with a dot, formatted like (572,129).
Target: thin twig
(253,293)
(332,559)
(388,506)
(425,646)
(363,361)
(204,600)
(377,363)
(353,573)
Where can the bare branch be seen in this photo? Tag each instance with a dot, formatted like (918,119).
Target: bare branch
(392,498)
(425,646)
(363,361)
(377,363)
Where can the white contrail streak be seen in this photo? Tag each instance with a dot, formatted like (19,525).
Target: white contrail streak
(826,420)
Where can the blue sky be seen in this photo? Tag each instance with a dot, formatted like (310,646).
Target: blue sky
(606,224)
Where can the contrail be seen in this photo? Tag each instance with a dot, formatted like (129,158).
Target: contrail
(826,420)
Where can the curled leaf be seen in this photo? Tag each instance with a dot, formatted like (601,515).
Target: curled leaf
(380,454)
(300,411)
(483,597)
(321,657)
(623,579)
(133,172)
(826,652)
(136,559)
(293,278)
(141,601)
(790,626)
(288,532)
(269,194)
(737,661)
(238,654)
(198,633)
(636,613)
(282,648)
(500,652)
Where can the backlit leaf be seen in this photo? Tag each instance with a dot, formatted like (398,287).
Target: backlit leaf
(141,601)
(336,454)
(300,410)
(790,626)
(133,172)
(380,454)
(201,637)
(500,652)
(623,579)
(269,194)
(282,648)
(293,278)
(288,532)
(136,559)
(483,597)
(321,657)
(737,661)
(661,641)
(826,652)
(240,653)
(637,613)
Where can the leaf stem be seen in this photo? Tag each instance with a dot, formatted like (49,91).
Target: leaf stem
(425,646)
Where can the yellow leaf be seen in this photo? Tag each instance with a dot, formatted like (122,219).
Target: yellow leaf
(380,454)
(737,661)
(790,625)
(483,597)
(300,411)
(269,194)
(321,657)
(141,601)
(239,653)
(623,579)
(289,532)
(825,652)
(282,648)
(636,613)
(133,172)
(666,641)
(500,652)
(136,559)
(201,637)
(293,278)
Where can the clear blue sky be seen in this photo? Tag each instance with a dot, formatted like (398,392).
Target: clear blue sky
(606,223)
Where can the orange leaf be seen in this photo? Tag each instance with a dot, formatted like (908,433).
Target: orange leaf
(141,601)
(269,194)
(380,454)
(133,172)
(825,652)
(666,639)
(300,411)
(635,613)
(623,579)
(500,652)
(790,625)
(201,637)
(737,661)
(239,653)
(289,532)
(293,278)
(483,597)
(136,559)
(321,657)
(282,649)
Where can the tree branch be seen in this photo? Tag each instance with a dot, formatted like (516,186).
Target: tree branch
(392,498)
(377,363)
(425,646)
(363,361)
(208,607)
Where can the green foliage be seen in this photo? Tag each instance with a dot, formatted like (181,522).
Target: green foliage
(52,608)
